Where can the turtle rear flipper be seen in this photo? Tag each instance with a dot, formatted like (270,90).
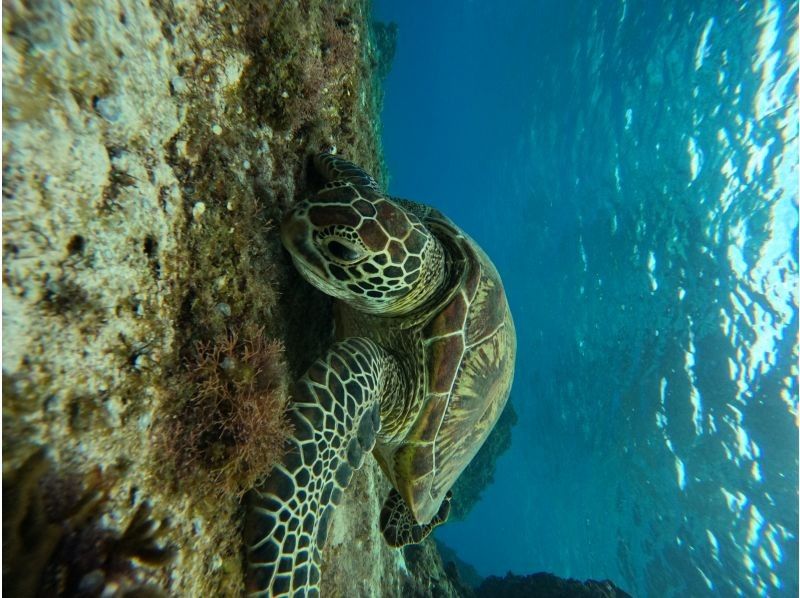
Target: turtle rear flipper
(336,417)
(398,525)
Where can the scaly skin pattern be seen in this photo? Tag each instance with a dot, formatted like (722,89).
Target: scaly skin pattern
(336,418)
(420,373)
(396,263)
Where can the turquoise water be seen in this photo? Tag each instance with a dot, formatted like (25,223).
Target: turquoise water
(631,167)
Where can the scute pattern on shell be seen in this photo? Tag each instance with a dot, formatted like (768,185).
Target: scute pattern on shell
(466,351)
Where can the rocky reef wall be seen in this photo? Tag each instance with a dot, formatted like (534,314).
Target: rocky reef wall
(151,320)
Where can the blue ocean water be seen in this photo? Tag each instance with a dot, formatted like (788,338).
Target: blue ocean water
(631,167)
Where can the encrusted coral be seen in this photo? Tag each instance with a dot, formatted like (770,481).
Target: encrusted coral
(54,544)
(231,425)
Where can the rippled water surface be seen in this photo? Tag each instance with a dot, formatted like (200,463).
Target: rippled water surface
(632,169)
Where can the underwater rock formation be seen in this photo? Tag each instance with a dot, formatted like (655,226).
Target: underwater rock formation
(386,45)
(148,149)
(458,570)
(465,580)
(545,585)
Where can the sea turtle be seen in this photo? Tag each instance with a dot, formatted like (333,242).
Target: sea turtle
(420,372)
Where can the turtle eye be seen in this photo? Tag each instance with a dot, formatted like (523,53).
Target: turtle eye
(343,252)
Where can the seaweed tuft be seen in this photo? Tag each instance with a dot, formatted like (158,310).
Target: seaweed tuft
(230,427)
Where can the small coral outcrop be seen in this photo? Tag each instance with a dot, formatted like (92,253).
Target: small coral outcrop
(54,543)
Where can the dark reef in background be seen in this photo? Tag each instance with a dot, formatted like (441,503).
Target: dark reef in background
(545,585)
(385,37)
(461,572)
(468,582)
(480,471)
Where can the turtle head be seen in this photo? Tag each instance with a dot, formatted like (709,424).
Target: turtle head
(370,253)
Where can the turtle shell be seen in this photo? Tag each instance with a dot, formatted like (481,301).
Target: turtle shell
(467,346)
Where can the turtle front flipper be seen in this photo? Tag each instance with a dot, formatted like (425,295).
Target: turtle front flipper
(336,417)
(337,170)
(398,525)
